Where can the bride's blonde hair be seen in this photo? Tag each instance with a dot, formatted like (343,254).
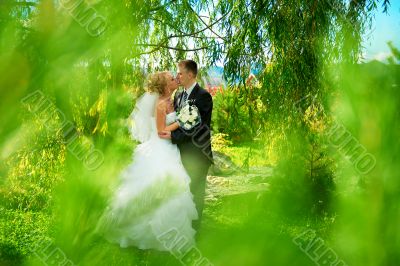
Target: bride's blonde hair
(156,82)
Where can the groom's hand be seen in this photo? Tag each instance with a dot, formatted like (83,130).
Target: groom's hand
(165,134)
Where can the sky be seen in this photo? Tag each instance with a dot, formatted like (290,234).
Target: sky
(386,27)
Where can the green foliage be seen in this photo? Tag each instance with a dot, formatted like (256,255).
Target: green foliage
(369,109)
(304,175)
(220,141)
(92,82)
(20,231)
(239,113)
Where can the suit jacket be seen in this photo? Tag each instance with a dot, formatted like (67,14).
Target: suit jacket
(196,142)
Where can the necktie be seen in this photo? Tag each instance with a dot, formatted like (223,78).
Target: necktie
(185,96)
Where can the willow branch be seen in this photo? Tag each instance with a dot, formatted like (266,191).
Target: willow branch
(208,27)
(24,3)
(212,24)
(172,48)
(161,6)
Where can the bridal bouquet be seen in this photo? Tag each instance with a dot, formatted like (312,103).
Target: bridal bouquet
(188,117)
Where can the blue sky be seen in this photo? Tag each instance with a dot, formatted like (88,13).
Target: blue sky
(386,27)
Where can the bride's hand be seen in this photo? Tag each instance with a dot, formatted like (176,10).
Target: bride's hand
(165,134)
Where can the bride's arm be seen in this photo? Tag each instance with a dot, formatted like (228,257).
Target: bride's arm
(172,127)
(161,112)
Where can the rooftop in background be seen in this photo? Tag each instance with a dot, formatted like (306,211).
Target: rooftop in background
(213,81)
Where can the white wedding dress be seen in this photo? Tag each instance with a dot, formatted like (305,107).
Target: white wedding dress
(153,206)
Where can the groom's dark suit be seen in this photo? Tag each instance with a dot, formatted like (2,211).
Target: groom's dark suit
(195,145)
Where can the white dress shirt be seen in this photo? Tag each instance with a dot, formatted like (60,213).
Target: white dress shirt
(190,89)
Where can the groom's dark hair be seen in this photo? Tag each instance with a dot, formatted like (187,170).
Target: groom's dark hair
(190,66)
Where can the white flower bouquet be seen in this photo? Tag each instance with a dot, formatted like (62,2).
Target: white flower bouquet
(188,117)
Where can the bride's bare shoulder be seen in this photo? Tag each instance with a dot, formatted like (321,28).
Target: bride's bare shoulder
(161,104)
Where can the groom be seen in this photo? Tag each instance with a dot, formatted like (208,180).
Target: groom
(194,145)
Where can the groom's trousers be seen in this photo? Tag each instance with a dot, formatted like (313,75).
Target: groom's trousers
(197,169)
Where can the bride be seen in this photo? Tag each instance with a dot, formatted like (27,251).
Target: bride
(153,198)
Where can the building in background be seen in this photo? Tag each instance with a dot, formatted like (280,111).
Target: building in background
(213,80)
